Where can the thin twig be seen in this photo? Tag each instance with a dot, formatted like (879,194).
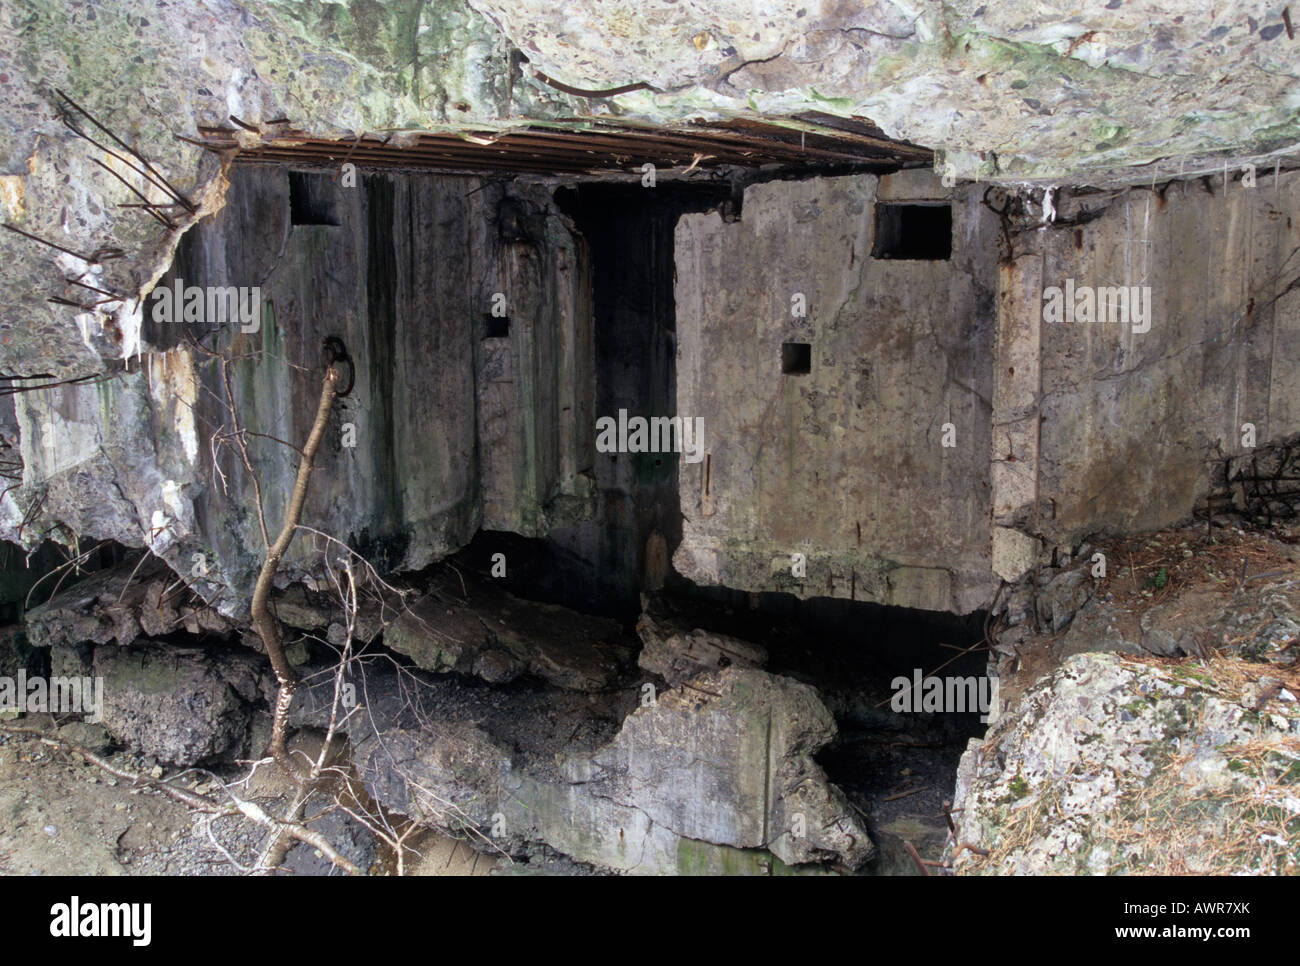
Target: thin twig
(268,628)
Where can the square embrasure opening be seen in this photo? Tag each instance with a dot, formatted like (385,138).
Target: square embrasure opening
(796,358)
(313,199)
(496,326)
(914,232)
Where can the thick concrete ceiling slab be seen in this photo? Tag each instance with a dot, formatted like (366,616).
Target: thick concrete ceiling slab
(1013,90)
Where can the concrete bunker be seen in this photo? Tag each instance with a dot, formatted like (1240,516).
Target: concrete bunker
(893,431)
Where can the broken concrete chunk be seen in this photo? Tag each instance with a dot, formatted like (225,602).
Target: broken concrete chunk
(294,607)
(485,631)
(678,654)
(496,666)
(1061,599)
(178,705)
(725,760)
(715,777)
(445,774)
(118,605)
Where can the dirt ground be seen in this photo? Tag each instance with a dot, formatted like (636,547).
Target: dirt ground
(62,816)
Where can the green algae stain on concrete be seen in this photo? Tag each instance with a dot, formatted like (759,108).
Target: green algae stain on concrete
(704,858)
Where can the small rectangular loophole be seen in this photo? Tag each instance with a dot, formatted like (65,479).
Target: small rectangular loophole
(796,358)
(312,199)
(916,232)
(496,327)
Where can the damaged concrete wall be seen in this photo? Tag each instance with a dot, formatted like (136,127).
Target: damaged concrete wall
(402,269)
(535,377)
(150,70)
(1011,93)
(1101,427)
(1094,424)
(847,463)
(943,435)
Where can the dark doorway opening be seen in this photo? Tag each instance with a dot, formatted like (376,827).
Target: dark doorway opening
(603,565)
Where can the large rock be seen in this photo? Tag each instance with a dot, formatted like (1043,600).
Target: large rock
(439,750)
(1113,765)
(1011,88)
(715,776)
(132,600)
(178,705)
(725,759)
(1062,598)
(118,605)
(445,774)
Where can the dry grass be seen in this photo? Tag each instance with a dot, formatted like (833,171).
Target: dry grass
(1232,678)
(1166,830)
(1188,557)
(1178,821)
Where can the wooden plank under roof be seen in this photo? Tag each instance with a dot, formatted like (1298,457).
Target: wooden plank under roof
(578,147)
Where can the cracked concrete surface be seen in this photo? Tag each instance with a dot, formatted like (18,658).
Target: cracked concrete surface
(830,463)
